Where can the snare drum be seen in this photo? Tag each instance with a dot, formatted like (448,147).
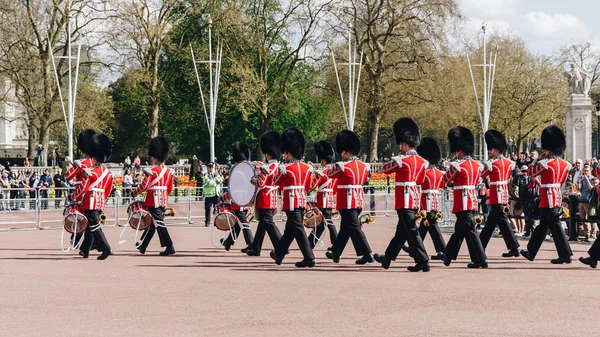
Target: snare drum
(312,216)
(74,221)
(139,218)
(240,188)
(225,219)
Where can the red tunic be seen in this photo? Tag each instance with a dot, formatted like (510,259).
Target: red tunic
(410,172)
(430,190)
(351,176)
(464,174)
(76,176)
(294,180)
(553,172)
(498,170)
(96,187)
(266,196)
(158,182)
(324,186)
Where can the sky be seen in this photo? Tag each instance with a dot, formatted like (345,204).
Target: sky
(545,25)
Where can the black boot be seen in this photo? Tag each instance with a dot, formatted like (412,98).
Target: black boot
(526,255)
(423,266)
(438,256)
(367,258)
(305,263)
(385,263)
(277,259)
(474,265)
(511,253)
(170,250)
(105,254)
(226,244)
(330,255)
(561,260)
(590,261)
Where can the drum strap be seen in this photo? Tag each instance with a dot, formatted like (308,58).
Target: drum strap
(157,179)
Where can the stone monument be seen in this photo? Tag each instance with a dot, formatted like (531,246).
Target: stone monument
(579,115)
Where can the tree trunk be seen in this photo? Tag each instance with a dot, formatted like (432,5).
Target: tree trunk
(154,121)
(31,141)
(44,140)
(373,118)
(265,122)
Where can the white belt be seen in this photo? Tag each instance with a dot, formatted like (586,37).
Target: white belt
(505,182)
(291,190)
(156,197)
(406,183)
(78,182)
(549,185)
(349,193)
(464,187)
(97,190)
(431,191)
(325,190)
(158,188)
(92,195)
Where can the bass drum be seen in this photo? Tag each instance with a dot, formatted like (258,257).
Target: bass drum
(240,188)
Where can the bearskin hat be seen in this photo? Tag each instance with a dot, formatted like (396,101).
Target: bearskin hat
(347,140)
(461,139)
(430,150)
(100,148)
(83,140)
(407,131)
(159,149)
(270,143)
(324,151)
(292,141)
(240,152)
(553,140)
(496,140)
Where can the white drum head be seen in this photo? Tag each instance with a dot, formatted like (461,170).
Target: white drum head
(240,188)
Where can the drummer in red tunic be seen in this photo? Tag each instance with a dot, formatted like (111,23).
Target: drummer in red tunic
(499,170)
(266,196)
(158,184)
(464,174)
(294,179)
(74,174)
(240,153)
(409,168)
(552,172)
(324,186)
(351,174)
(96,186)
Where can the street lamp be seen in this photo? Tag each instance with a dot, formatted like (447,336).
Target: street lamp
(510,146)
(598,129)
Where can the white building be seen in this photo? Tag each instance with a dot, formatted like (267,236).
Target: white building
(13,132)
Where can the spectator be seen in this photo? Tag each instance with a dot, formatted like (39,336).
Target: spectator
(59,185)
(585,186)
(521,205)
(574,174)
(228,161)
(175,187)
(127,184)
(40,150)
(33,183)
(137,162)
(43,188)
(26,162)
(53,158)
(4,191)
(211,191)
(199,181)
(21,193)
(14,190)
(127,163)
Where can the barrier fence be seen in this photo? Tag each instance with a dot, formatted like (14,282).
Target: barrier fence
(30,209)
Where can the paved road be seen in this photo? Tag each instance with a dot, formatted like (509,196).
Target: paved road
(204,291)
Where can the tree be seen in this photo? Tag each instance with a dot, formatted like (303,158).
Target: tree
(30,33)
(399,39)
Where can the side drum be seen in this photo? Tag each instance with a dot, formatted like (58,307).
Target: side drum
(225,219)
(74,221)
(139,218)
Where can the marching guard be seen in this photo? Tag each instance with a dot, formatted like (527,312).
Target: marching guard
(464,174)
(409,169)
(294,178)
(96,187)
(266,196)
(240,153)
(324,186)
(553,172)
(351,174)
(430,195)
(499,170)
(158,184)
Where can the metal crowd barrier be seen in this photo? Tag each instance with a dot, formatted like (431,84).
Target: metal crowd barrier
(43,210)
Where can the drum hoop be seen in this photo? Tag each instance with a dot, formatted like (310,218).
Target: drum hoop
(229,187)
(84,227)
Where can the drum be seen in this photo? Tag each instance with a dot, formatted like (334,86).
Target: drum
(139,218)
(240,188)
(225,219)
(312,216)
(74,221)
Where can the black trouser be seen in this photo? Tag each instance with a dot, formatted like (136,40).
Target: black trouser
(316,233)
(241,215)
(93,233)
(294,229)
(265,224)
(498,217)
(434,230)
(209,203)
(32,200)
(595,250)
(465,229)
(198,191)
(531,210)
(549,219)
(158,225)
(350,229)
(44,197)
(58,196)
(406,230)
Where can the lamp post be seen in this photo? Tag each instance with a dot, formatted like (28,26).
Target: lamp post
(510,146)
(598,129)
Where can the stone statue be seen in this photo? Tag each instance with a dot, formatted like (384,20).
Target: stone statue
(579,82)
